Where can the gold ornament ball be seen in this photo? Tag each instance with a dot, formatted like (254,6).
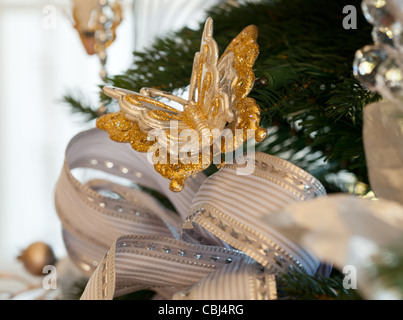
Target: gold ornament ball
(260,134)
(36,257)
(176,186)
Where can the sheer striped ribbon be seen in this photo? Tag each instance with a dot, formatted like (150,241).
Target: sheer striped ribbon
(214,246)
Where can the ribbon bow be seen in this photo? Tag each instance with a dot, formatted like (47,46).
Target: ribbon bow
(214,247)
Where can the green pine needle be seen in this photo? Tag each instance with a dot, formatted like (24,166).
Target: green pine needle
(79,105)
(300,286)
(304,74)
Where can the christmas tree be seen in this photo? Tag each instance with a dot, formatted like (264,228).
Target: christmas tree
(311,103)
(305,86)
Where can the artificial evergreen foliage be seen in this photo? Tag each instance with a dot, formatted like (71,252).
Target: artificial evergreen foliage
(299,286)
(309,99)
(311,103)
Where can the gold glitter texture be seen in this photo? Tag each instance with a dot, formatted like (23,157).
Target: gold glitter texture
(122,128)
(246,109)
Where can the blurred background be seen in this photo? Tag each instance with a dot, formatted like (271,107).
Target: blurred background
(42,59)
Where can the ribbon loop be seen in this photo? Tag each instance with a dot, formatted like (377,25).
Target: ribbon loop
(215,237)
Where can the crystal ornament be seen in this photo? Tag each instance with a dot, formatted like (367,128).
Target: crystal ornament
(386,34)
(366,63)
(398,36)
(379,66)
(389,78)
(376,12)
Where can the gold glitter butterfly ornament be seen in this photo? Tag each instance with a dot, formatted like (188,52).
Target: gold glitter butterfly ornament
(184,140)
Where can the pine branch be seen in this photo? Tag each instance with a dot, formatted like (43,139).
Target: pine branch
(291,286)
(78,287)
(304,69)
(80,106)
(299,286)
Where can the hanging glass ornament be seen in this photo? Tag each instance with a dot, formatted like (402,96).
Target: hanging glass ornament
(398,36)
(387,34)
(366,63)
(378,67)
(377,12)
(96,22)
(389,78)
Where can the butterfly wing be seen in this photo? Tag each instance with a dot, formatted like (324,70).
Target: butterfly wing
(218,89)
(210,85)
(245,49)
(140,116)
(246,111)
(221,86)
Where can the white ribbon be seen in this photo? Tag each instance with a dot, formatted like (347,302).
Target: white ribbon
(214,248)
(353,231)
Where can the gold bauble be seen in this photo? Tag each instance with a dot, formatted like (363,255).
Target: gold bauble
(36,257)
(260,134)
(176,186)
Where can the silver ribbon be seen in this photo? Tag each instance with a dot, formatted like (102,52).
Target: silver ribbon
(352,231)
(215,247)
